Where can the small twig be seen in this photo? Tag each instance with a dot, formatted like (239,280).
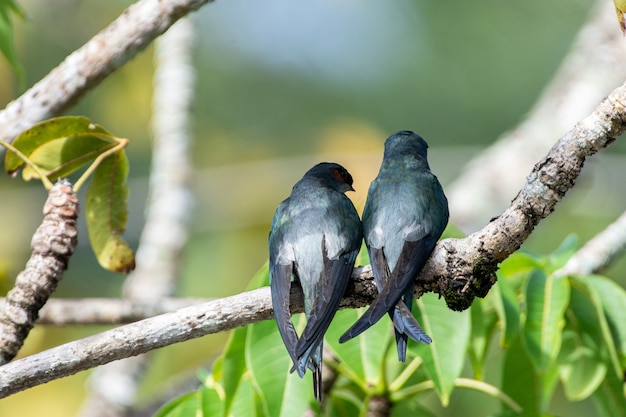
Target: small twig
(107,311)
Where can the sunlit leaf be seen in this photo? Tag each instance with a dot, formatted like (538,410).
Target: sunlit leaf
(521,381)
(184,406)
(282,394)
(229,369)
(561,255)
(582,360)
(546,299)
(518,263)
(609,399)
(445,356)
(620,9)
(508,308)
(613,300)
(483,323)
(246,402)
(106,214)
(61,145)
(61,157)
(349,353)
(210,402)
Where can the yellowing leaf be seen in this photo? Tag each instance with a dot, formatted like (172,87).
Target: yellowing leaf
(59,146)
(620,9)
(106,214)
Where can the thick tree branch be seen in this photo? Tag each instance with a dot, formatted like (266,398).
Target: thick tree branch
(82,70)
(459,269)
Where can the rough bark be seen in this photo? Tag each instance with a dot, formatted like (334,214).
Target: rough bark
(53,244)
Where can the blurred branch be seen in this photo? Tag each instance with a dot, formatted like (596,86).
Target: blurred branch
(459,269)
(53,244)
(165,232)
(103,311)
(82,70)
(599,252)
(490,180)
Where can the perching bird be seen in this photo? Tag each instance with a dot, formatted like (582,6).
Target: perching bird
(405,214)
(315,237)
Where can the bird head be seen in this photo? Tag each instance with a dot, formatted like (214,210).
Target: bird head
(336,176)
(406,142)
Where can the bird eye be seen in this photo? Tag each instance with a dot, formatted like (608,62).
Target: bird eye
(343,176)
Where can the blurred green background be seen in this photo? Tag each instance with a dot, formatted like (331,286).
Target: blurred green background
(282,85)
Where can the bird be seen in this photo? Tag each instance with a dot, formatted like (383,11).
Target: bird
(315,237)
(405,213)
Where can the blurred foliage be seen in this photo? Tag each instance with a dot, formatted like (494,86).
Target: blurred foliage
(8,8)
(281,86)
(566,331)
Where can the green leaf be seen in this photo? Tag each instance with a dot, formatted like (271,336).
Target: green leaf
(282,394)
(561,255)
(445,356)
(609,398)
(518,263)
(184,406)
(547,298)
(106,214)
(61,157)
(59,145)
(7,44)
(229,369)
(524,384)
(612,297)
(581,363)
(483,320)
(210,402)
(246,402)
(508,308)
(362,358)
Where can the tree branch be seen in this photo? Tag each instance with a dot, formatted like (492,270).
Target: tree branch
(53,244)
(598,252)
(107,51)
(459,269)
(164,235)
(489,181)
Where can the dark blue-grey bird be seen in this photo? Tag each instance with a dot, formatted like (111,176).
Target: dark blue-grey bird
(405,214)
(315,237)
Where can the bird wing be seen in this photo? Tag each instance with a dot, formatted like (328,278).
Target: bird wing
(280,286)
(403,319)
(412,259)
(335,277)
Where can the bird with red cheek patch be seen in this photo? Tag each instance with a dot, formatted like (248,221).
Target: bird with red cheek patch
(315,238)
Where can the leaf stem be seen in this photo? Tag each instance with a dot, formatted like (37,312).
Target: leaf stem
(121,144)
(409,370)
(42,176)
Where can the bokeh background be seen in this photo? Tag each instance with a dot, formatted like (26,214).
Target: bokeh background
(282,85)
